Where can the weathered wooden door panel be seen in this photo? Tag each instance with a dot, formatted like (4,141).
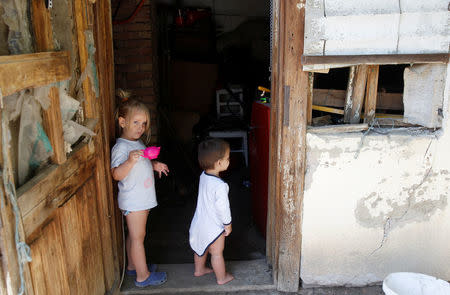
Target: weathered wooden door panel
(105,215)
(48,269)
(71,235)
(92,260)
(41,196)
(68,250)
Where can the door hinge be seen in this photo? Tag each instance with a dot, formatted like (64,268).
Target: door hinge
(287,94)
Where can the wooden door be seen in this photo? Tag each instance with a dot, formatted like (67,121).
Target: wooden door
(65,214)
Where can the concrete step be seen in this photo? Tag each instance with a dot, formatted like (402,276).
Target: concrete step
(250,276)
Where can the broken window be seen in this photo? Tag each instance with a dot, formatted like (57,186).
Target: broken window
(381,96)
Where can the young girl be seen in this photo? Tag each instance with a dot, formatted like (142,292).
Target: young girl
(212,218)
(136,187)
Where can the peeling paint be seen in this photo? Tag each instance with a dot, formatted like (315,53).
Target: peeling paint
(301,5)
(388,205)
(373,210)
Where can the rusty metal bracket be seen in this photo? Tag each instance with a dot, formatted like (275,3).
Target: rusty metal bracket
(48,4)
(287,95)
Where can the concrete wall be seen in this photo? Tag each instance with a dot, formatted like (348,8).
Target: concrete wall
(423,94)
(377,204)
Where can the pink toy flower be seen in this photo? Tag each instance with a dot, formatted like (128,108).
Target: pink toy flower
(151,152)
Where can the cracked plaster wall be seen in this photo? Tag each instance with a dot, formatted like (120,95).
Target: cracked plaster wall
(377,204)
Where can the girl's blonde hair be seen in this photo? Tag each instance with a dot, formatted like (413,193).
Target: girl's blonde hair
(127,107)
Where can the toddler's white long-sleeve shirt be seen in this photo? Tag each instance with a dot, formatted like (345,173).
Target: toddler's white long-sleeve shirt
(211,215)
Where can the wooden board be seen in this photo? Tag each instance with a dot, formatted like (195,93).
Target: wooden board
(18,72)
(105,64)
(310,97)
(370,104)
(339,128)
(90,239)
(37,269)
(107,213)
(81,10)
(105,221)
(73,247)
(49,269)
(52,121)
(355,94)
(327,109)
(394,122)
(376,59)
(42,26)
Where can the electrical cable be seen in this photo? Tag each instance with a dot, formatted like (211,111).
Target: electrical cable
(133,15)
(116,10)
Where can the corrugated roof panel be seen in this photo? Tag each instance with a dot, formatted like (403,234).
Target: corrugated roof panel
(358,27)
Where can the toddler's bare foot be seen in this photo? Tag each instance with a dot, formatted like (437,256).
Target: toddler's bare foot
(228,278)
(202,272)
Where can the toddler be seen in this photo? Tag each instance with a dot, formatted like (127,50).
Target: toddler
(212,218)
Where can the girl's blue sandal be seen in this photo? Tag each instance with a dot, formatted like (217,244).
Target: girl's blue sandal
(155,279)
(132,273)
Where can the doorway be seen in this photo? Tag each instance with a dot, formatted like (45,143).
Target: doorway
(212,58)
(205,60)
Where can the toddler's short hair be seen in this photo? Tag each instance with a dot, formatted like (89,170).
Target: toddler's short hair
(210,151)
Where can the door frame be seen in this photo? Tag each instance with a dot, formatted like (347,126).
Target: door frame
(287,151)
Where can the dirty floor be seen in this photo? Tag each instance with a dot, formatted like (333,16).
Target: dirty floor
(167,241)
(251,277)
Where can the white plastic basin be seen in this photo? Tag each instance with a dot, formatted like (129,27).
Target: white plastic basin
(409,283)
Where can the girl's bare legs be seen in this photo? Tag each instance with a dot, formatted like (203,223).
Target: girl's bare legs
(137,222)
(217,261)
(200,265)
(131,265)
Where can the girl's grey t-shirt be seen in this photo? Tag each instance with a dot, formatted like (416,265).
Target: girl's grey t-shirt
(137,189)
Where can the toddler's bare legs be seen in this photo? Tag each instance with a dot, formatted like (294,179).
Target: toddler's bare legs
(200,265)
(136,222)
(217,261)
